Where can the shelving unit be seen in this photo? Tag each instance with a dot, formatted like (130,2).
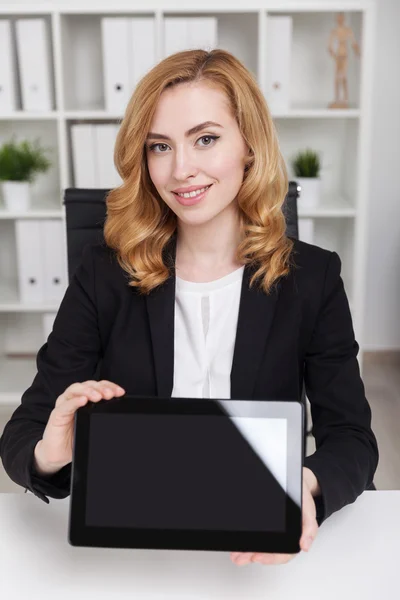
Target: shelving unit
(341,136)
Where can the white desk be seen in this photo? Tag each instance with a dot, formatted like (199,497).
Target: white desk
(355,557)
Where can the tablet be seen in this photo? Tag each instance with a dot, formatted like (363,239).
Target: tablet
(187,474)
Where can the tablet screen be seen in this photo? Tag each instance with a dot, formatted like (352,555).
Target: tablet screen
(182,471)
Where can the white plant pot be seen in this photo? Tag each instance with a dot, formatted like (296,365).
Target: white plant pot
(310,192)
(17,195)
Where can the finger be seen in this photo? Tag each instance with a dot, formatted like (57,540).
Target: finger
(108,389)
(241,558)
(236,555)
(306,543)
(78,394)
(74,390)
(93,390)
(102,382)
(310,525)
(309,534)
(117,389)
(67,408)
(273,559)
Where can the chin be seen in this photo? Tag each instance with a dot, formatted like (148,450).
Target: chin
(199,217)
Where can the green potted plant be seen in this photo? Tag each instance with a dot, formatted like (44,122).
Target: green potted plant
(306,166)
(19,164)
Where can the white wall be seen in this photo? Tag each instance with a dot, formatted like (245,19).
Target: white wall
(382,311)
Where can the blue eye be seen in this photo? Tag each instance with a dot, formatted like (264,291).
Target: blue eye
(210,137)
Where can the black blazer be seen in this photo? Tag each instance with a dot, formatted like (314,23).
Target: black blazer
(301,333)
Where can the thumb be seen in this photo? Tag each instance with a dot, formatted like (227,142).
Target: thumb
(310,525)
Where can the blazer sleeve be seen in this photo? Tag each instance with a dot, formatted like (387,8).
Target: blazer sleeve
(346,455)
(71,354)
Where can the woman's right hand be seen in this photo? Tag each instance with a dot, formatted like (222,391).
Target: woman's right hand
(54,450)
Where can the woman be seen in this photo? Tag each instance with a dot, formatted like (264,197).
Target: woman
(201,294)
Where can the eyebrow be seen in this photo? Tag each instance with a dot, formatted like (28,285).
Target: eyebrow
(196,129)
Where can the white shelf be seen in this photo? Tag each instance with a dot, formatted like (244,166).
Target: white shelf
(10,302)
(39,213)
(39,210)
(91,114)
(24,115)
(318,113)
(100,113)
(44,205)
(332,207)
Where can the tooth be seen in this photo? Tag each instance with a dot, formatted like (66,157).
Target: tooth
(193,194)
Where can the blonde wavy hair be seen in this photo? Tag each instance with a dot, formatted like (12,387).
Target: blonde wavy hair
(140,225)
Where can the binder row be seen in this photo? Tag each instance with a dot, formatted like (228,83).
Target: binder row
(186,33)
(128,53)
(25,60)
(40,260)
(135,39)
(93,156)
(278,62)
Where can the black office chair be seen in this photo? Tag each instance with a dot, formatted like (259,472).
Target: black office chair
(86,213)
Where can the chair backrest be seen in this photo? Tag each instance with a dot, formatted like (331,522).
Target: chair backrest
(86,213)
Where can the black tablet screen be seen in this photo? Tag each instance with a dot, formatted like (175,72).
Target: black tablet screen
(186,472)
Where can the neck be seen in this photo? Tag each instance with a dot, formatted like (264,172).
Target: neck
(209,245)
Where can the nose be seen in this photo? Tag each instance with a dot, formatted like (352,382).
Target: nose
(184,165)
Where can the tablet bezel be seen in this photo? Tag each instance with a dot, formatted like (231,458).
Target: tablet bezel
(80,534)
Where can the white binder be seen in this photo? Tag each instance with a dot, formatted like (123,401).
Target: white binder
(84,155)
(175,35)
(142,54)
(8,99)
(34,56)
(53,260)
(306,230)
(28,233)
(108,176)
(278,62)
(115,52)
(202,32)
(189,33)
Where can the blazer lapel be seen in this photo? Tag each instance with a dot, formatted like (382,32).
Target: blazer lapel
(256,312)
(161,310)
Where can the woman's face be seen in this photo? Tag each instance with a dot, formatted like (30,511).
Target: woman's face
(178,159)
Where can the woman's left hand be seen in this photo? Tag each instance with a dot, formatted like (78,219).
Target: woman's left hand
(310,530)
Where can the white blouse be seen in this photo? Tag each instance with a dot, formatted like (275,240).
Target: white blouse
(206,317)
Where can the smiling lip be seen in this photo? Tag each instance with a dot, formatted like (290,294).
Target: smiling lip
(189,188)
(191,201)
